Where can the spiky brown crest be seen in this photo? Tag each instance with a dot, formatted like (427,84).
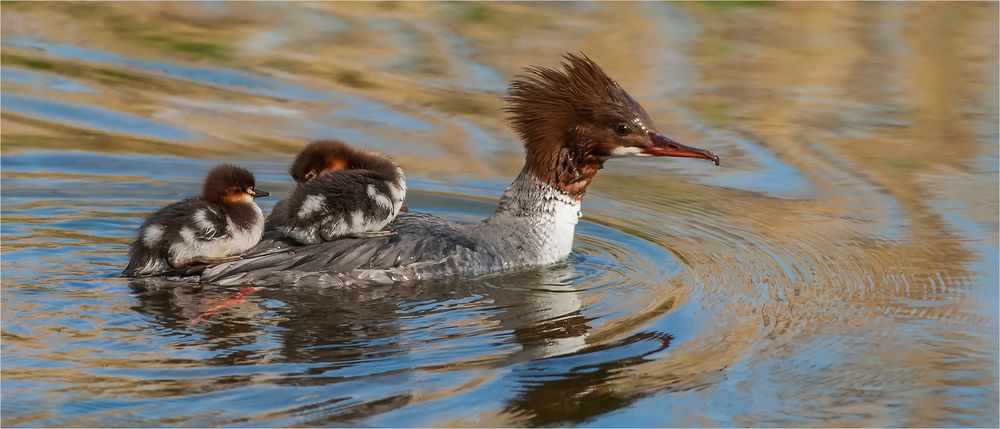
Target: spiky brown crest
(226,180)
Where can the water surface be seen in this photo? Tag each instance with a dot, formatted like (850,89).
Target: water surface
(839,269)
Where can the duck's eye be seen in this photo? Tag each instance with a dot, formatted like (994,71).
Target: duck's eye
(310,175)
(623,130)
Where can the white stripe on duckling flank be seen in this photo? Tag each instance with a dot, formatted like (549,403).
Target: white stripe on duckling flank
(152,235)
(202,222)
(312,203)
(379,198)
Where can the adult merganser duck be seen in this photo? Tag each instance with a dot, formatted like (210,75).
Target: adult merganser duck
(341,192)
(215,227)
(570,121)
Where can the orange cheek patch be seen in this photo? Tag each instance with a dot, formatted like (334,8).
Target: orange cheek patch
(334,163)
(236,197)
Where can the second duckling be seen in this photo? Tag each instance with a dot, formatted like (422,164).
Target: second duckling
(341,191)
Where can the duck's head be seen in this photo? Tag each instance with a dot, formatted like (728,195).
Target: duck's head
(572,120)
(230,184)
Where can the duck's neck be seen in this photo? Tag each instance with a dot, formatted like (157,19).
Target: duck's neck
(534,222)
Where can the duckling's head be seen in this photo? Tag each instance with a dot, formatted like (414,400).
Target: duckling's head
(321,156)
(325,156)
(230,184)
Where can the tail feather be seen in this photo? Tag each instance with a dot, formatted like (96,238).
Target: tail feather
(144,261)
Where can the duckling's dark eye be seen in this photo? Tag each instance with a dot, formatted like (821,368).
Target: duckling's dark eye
(623,130)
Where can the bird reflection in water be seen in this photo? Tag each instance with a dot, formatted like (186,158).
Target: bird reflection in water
(338,337)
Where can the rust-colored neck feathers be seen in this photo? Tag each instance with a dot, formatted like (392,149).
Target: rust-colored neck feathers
(568,168)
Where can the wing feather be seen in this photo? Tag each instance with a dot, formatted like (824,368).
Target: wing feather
(421,238)
(209,225)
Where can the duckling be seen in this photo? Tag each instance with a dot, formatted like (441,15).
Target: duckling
(216,227)
(340,192)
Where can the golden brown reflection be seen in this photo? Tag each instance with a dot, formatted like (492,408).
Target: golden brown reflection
(839,270)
